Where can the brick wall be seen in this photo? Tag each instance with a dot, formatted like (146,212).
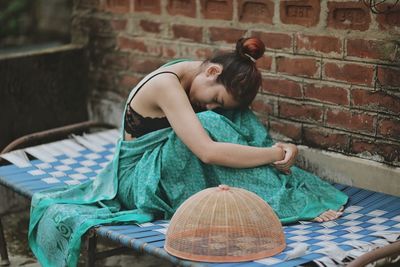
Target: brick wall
(330,72)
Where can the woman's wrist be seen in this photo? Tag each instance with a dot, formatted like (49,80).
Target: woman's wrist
(279,153)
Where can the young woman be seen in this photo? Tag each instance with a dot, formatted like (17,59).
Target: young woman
(186,127)
(170,96)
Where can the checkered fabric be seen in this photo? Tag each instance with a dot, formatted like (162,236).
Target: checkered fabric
(360,229)
(58,164)
(370,220)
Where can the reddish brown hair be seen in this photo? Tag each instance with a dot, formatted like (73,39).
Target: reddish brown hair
(240,75)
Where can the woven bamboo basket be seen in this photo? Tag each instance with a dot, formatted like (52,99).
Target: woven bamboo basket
(224,224)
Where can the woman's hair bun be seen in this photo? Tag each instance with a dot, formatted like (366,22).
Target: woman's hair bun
(250,47)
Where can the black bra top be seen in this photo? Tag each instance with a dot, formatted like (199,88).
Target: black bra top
(135,124)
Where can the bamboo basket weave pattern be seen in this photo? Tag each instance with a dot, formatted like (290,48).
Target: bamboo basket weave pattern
(224,224)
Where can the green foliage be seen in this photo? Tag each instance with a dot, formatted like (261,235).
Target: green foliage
(10,14)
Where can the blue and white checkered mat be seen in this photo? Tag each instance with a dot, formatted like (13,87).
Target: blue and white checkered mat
(359,230)
(369,221)
(66,162)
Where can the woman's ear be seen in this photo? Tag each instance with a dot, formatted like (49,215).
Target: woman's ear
(213,69)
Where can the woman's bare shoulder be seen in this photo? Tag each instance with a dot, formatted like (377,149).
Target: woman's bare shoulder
(159,89)
(164,82)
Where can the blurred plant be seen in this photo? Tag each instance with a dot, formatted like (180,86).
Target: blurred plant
(11,12)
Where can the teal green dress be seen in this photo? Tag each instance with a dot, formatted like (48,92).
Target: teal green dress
(152,175)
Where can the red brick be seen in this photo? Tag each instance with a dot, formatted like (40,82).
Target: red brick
(151,6)
(125,43)
(260,106)
(150,26)
(88,4)
(300,112)
(375,49)
(389,127)
(288,129)
(377,100)
(96,26)
(350,120)
(103,79)
(298,66)
(188,32)
(191,50)
(273,40)
(182,7)
(389,20)
(256,11)
(228,35)
(169,52)
(349,72)
(118,24)
(103,43)
(327,94)
(118,6)
(282,87)
(301,12)
(145,65)
(217,9)
(348,15)
(203,53)
(158,49)
(163,49)
(129,80)
(116,61)
(264,63)
(388,76)
(325,138)
(324,44)
(388,151)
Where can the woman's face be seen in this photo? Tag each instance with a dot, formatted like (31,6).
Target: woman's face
(206,93)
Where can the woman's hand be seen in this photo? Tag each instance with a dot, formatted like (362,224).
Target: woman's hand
(291,152)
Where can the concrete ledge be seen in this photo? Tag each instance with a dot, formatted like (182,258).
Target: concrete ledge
(351,171)
(39,50)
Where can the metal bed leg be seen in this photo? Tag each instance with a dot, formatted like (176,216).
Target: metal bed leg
(3,248)
(90,247)
(374,255)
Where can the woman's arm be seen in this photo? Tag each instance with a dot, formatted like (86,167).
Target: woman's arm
(173,101)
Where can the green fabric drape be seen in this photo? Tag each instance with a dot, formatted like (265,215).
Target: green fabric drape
(151,176)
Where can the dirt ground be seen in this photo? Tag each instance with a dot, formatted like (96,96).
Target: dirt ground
(16,229)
